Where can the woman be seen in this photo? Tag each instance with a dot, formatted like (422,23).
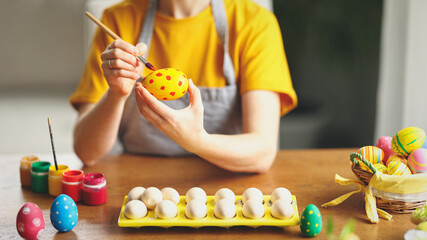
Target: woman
(234,52)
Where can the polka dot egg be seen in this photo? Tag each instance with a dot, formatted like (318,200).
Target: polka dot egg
(30,221)
(63,213)
(407,140)
(384,143)
(311,221)
(372,154)
(166,84)
(417,161)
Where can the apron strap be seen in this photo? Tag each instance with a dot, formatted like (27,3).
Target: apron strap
(220,18)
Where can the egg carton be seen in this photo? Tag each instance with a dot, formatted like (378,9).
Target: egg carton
(151,220)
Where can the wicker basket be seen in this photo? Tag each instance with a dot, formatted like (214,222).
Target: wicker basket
(384,204)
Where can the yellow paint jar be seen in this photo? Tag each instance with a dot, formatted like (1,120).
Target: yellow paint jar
(55,179)
(25,169)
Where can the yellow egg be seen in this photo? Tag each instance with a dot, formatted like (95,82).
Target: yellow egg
(166,83)
(398,168)
(407,140)
(380,167)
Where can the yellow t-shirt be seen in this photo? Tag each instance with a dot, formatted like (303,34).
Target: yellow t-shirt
(193,46)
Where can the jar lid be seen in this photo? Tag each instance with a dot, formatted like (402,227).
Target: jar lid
(41,166)
(93,178)
(58,173)
(72,176)
(26,161)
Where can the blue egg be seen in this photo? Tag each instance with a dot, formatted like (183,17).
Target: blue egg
(64,213)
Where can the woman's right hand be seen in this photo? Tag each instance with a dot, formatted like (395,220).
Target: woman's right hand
(120,66)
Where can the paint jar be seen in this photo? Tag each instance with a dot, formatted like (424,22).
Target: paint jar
(55,179)
(72,182)
(94,189)
(39,176)
(25,169)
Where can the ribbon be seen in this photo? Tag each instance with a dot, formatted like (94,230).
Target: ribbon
(370,204)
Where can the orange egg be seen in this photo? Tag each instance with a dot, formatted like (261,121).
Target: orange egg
(166,83)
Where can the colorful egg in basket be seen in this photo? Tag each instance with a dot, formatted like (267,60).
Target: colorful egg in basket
(407,140)
(372,154)
(397,158)
(384,143)
(417,161)
(381,167)
(166,84)
(398,168)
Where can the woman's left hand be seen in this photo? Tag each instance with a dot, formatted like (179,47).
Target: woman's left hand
(184,126)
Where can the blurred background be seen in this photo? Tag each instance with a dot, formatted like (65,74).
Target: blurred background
(359,68)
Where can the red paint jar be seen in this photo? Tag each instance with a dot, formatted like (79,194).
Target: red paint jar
(72,183)
(94,189)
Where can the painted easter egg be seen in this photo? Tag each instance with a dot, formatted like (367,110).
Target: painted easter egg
(397,158)
(30,221)
(417,161)
(384,143)
(372,154)
(166,83)
(407,140)
(63,213)
(381,167)
(311,221)
(398,168)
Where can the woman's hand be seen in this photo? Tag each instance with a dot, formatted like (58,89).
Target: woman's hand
(184,126)
(120,66)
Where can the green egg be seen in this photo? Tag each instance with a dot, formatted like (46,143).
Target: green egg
(311,221)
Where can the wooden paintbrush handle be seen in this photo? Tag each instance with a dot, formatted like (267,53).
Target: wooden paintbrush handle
(102,26)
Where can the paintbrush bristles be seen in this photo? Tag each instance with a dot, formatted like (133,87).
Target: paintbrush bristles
(51,141)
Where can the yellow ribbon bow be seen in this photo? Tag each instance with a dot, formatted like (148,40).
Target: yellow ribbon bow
(370,203)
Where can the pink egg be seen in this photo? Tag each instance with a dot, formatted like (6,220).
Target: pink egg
(30,221)
(384,143)
(417,161)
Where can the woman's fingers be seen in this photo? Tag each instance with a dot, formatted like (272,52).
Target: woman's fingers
(158,107)
(195,97)
(117,53)
(119,64)
(120,73)
(145,109)
(142,49)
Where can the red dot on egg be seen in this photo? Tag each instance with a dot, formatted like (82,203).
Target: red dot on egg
(168,77)
(151,81)
(159,74)
(162,87)
(184,75)
(152,94)
(165,98)
(172,93)
(183,92)
(180,83)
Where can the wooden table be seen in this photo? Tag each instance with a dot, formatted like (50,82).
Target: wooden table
(309,174)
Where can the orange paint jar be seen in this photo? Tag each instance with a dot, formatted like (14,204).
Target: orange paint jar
(25,169)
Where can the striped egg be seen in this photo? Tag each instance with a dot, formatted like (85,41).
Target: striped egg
(372,154)
(166,84)
(398,168)
(380,167)
(397,158)
(417,161)
(407,140)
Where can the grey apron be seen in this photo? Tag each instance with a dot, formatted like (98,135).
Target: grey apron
(222,108)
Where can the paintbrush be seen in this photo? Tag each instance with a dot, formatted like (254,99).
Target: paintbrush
(115,37)
(53,147)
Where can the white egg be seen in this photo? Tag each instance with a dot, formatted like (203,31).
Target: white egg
(224,193)
(166,209)
(252,193)
(135,193)
(135,209)
(196,209)
(225,208)
(281,193)
(170,194)
(151,197)
(253,208)
(282,209)
(195,193)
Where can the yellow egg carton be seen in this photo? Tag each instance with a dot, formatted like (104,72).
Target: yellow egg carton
(151,220)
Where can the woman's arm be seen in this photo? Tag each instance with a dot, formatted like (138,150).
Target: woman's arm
(98,124)
(252,151)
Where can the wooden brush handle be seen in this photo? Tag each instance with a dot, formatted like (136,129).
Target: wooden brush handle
(102,26)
